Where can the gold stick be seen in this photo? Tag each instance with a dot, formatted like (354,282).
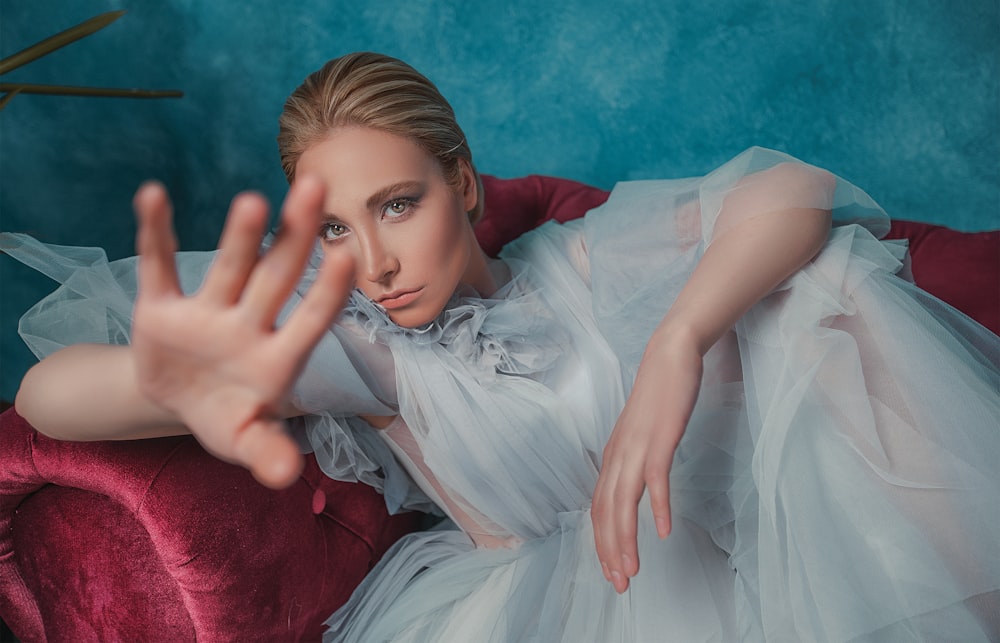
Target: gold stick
(65,90)
(6,97)
(59,40)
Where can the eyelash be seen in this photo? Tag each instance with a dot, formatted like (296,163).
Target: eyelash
(408,202)
(325,228)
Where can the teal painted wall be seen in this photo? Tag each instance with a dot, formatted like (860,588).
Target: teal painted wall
(900,96)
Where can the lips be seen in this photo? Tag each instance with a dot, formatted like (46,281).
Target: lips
(399,298)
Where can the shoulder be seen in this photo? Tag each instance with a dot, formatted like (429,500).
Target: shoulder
(553,246)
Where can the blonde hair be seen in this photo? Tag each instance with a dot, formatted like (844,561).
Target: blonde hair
(373,90)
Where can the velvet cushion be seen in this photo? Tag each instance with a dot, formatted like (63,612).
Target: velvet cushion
(514,206)
(157,540)
(961,268)
(133,540)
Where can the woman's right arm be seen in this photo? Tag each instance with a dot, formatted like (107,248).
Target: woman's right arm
(90,392)
(214,363)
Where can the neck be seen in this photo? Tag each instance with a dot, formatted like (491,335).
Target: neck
(479,275)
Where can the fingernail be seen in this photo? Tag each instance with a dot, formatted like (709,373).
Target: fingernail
(616,578)
(627,562)
(661,526)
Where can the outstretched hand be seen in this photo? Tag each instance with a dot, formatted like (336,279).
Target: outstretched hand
(639,454)
(215,359)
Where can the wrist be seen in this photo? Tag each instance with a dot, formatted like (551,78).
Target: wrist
(144,410)
(675,336)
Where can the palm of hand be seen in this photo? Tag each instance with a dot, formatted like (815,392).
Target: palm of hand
(211,367)
(215,359)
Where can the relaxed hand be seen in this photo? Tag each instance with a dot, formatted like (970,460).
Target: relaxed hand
(640,451)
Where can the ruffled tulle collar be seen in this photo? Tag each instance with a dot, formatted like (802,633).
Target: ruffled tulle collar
(514,331)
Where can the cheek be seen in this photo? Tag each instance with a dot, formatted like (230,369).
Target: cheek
(440,247)
(454,249)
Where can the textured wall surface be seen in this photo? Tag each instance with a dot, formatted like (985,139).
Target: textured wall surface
(900,96)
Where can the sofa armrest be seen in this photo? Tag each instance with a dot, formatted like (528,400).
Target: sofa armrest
(159,539)
(514,206)
(960,268)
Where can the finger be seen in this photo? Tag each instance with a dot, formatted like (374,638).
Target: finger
(238,249)
(606,521)
(155,241)
(321,305)
(597,513)
(606,552)
(628,491)
(278,272)
(658,483)
(269,453)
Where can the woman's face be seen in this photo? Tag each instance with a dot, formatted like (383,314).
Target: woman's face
(388,205)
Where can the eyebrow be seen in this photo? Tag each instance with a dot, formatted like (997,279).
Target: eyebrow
(387,192)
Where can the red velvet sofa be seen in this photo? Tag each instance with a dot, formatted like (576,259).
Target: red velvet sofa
(157,540)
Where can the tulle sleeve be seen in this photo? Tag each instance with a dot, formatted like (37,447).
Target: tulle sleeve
(761,181)
(346,375)
(645,241)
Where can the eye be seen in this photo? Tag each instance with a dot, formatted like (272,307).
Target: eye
(398,207)
(332,231)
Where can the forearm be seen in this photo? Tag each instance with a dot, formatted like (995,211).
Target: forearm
(89,392)
(737,270)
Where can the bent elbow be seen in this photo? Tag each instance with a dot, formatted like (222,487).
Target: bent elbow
(26,400)
(788,195)
(818,232)
(808,193)
(801,185)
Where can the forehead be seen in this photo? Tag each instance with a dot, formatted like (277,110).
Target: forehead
(356,161)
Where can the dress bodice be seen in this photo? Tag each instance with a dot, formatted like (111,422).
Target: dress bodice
(500,400)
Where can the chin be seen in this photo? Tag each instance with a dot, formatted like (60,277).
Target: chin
(412,318)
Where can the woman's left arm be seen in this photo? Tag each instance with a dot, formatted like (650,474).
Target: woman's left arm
(757,242)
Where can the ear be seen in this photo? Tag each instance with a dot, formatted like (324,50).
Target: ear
(470,190)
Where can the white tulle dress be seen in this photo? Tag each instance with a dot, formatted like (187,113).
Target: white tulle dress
(839,479)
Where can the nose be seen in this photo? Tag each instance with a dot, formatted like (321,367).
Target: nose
(378,264)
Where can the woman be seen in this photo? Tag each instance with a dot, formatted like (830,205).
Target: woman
(700,379)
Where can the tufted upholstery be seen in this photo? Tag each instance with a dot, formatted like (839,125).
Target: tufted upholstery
(157,540)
